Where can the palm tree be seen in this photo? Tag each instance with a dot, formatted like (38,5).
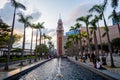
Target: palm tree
(44,37)
(40,26)
(36,27)
(100,10)
(94,28)
(99,17)
(72,38)
(50,44)
(16,5)
(114,3)
(115,17)
(32,26)
(77,25)
(86,21)
(25,21)
(67,47)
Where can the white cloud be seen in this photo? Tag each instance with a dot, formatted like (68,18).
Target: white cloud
(6,14)
(2,3)
(79,11)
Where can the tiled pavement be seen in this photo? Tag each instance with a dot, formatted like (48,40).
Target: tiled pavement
(113,72)
(5,74)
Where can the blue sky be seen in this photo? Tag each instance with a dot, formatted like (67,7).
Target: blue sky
(48,11)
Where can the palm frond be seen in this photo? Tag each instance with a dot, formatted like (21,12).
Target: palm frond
(18,5)
(80,19)
(96,8)
(114,3)
(72,28)
(78,25)
(105,29)
(88,16)
(110,16)
(104,34)
(21,6)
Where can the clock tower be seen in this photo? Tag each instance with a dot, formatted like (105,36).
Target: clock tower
(60,35)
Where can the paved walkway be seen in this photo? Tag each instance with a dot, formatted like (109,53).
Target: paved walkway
(116,62)
(17,69)
(113,72)
(116,59)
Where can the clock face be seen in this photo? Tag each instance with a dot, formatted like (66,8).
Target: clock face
(60,27)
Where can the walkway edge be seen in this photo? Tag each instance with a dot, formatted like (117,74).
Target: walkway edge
(18,75)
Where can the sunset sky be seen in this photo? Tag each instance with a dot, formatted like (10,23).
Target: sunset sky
(48,11)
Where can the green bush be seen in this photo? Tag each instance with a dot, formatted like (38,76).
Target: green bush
(2,59)
(16,59)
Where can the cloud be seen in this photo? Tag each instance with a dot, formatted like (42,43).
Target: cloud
(81,10)
(2,3)
(6,14)
(36,15)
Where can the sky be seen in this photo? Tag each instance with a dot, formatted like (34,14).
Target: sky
(48,11)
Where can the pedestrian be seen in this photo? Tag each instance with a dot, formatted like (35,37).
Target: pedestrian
(98,64)
(76,58)
(93,58)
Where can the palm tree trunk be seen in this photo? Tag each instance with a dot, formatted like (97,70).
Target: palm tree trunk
(36,42)
(40,38)
(40,42)
(44,41)
(23,47)
(10,42)
(118,28)
(100,38)
(36,45)
(109,43)
(96,44)
(81,48)
(31,42)
(88,38)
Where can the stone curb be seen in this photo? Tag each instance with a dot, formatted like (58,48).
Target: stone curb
(18,75)
(96,71)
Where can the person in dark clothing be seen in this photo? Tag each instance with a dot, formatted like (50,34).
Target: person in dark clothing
(93,58)
(76,58)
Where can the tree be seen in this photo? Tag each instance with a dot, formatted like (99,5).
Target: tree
(116,43)
(32,26)
(51,46)
(84,38)
(68,47)
(16,5)
(114,3)
(94,28)
(25,21)
(40,26)
(73,39)
(86,21)
(77,25)
(100,10)
(5,35)
(36,27)
(42,47)
(98,18)
(115,17)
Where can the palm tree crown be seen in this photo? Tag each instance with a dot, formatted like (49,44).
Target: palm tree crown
(18,5)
